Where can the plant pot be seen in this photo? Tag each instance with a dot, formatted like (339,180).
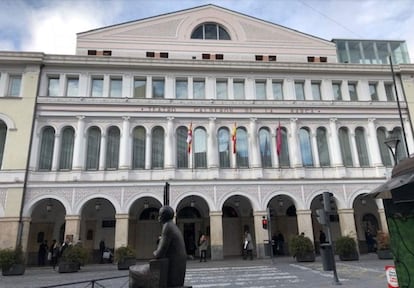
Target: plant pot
(308,257)
(68,267)
(15,269)
(349,257)
(126,262)
(384,254)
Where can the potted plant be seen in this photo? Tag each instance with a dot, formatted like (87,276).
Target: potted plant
(125,257)
(12,261)
(383,246)
(345,247)
(301,248)
(72,258)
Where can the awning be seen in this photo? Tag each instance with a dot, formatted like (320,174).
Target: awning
(384,191)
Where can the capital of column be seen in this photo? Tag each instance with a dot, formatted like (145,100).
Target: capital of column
(72,217)
(126,118)
(170,118)
(371,120)
(304,212)
(212,119)
(333,120)
(216,213)
(80,117)
(293,120)
(253,119)
(122,216)
(346,211)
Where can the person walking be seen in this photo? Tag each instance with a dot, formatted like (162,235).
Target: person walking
(102,250)
(203,245)
(247,245)
(42,253)
(54,249)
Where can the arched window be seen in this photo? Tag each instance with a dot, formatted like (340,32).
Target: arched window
(66,148)
(224,147)
(401,151)
(46,148)
(265,151)
(112,148)
(361,145)
(157,151)
(200,148)
(210,31)
(284,160)
(182,147)
(93,148)
(343,136)
(138,148)
(3,133)
(385,153)
(242,149)
(305,147)
(323,148)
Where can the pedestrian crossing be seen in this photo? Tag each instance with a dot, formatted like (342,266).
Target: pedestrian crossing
(238,277)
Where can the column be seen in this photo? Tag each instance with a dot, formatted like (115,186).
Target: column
(260,234)
(125,145)
(216,235)
(334,143)
(121,230)
(373,144)
(78,149)
(102,153)
(212,150)
(148,150)
(354,150)
(275,158)
(304,218)
(347,222)
(169,144)
(409,137)
(25,232)
(72,227)
(294,152)
(383,218)
(315,152)
(56,152)
(254,147)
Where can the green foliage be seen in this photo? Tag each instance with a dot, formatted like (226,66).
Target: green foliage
(345,245)
(124,252)
(9,256)
(300,245)
(383,241)
(76,253)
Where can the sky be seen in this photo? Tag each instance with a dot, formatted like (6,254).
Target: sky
(50,26)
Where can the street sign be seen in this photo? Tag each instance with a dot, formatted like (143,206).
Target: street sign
(391,276)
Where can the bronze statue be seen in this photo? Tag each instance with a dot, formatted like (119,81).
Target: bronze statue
(171,247)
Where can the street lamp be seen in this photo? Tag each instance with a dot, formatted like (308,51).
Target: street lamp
(392,144)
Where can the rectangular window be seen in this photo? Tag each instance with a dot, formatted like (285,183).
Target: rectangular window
(115,90)
(15,82)
(299,91)
(91,52)
(277,87)
(72,87)
(389,91)
(221,89)
(219,57)
(352,92)
(272,57)
(53,86)
(158,88)
(97,87)
(336,87)
(238,87)
(199,89)
(316,90)
(163,54)
(373,91)
(150,54)
(140,85)
(181,89)
(259,57)
(205,56)
(260,90)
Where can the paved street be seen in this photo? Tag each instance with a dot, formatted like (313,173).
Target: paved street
(282,272)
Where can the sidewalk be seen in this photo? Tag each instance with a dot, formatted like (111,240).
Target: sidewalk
(367,272)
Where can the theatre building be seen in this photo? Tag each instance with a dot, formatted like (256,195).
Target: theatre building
(239,115)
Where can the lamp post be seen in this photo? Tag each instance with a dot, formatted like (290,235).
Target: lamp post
(392,144)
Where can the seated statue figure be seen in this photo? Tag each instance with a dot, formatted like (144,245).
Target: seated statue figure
(171,255)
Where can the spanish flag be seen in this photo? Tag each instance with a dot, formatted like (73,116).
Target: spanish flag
(190,137)
(233,137)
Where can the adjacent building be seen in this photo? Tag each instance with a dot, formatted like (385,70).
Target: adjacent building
(242,119)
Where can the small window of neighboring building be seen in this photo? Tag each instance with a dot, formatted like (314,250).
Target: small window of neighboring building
(259,57)
(210,31)
(91,52)
(14,85)
(272,58)
(72,86)
(219,56)
(163,54)
(206,56)
(53,86)
(107,53)
(151,54)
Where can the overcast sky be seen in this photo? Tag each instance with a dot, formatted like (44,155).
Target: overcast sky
(50,26)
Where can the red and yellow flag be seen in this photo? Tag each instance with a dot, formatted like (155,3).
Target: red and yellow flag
(279,140)
(233,137)
(190,137)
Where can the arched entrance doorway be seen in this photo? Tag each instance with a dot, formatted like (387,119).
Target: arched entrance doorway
(237,217)
(144,228)
(47,220)
(193,219)
(97,224)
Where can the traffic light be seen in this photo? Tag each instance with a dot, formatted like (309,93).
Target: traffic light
(321,216)
(264,223)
